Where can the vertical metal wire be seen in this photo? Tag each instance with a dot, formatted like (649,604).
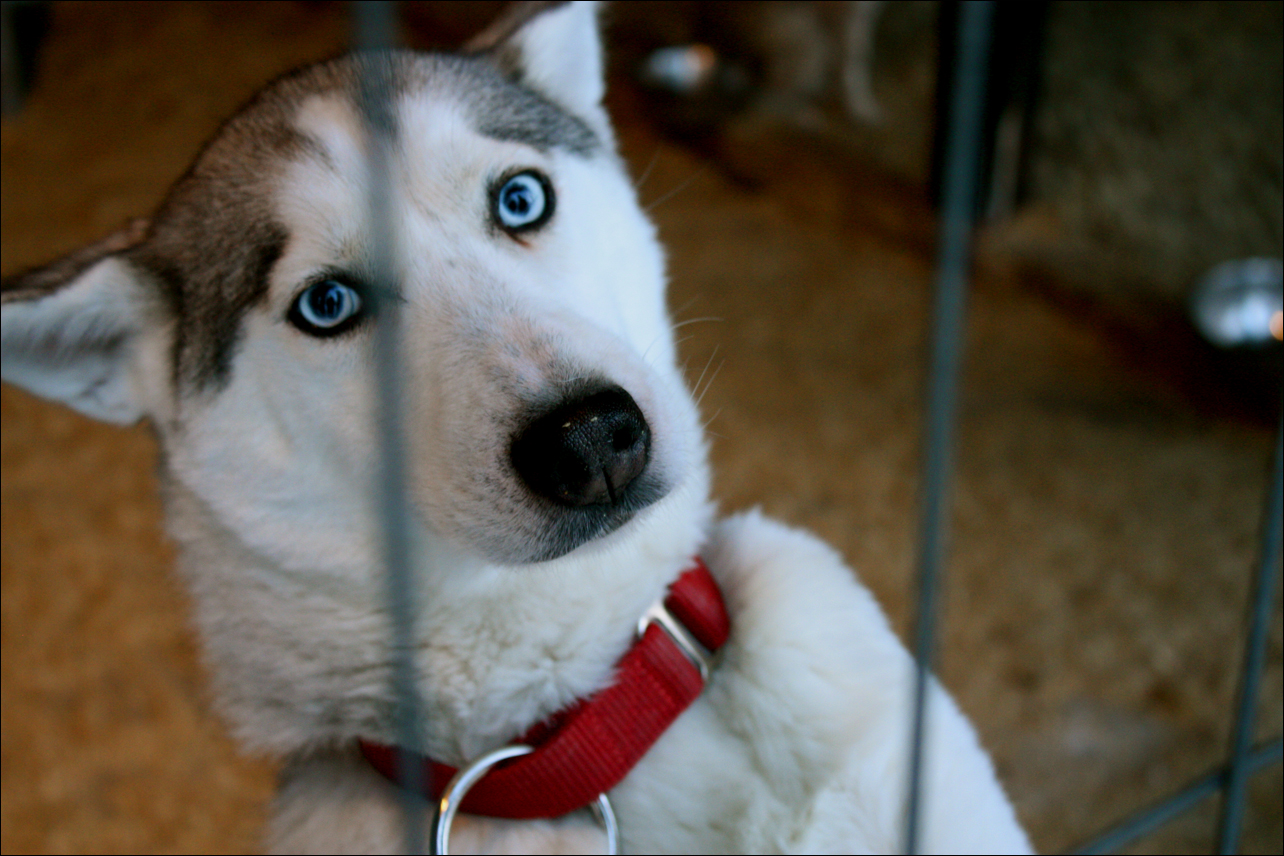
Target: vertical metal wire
(958,205)
(375,24)
(1231,821)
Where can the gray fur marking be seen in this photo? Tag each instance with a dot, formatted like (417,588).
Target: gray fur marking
(504,108)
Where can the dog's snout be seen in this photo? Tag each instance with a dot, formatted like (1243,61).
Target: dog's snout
(587,451)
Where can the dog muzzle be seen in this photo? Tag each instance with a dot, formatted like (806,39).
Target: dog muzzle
(572,759)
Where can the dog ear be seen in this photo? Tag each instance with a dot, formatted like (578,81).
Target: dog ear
(555,48)
(69,331)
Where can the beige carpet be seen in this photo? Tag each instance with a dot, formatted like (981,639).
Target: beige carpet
(1105,520)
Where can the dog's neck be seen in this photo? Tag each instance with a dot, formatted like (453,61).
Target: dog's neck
(301,662)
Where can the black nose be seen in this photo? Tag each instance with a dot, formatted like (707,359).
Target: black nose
(587,451)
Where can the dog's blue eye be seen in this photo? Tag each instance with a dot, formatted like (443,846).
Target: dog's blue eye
(326,308)
(524,201)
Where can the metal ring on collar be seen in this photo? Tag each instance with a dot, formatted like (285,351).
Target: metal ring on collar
(448,805)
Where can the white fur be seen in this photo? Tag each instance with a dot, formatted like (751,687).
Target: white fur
(799,742)
(94,337)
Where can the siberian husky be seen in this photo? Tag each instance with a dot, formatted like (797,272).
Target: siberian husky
(556,476)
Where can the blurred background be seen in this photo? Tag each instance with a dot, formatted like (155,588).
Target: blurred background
(1122,385)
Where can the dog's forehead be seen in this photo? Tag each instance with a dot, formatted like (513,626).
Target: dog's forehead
(437,148)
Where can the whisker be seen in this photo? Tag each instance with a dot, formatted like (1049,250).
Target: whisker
(696,321)
(700,397)
(648,348)
(637,185)
(709,421)
(660,338)
(684,307)
(570,382)
(703,371)
(681,187)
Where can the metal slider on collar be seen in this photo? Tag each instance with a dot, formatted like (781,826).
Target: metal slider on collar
(701,657)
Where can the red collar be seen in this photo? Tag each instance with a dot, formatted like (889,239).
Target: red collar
(589,748)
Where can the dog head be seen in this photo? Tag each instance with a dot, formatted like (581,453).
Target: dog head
(542,408)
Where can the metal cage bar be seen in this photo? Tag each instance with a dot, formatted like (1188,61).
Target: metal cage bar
(375,26)
(958,208)
(1236,787)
